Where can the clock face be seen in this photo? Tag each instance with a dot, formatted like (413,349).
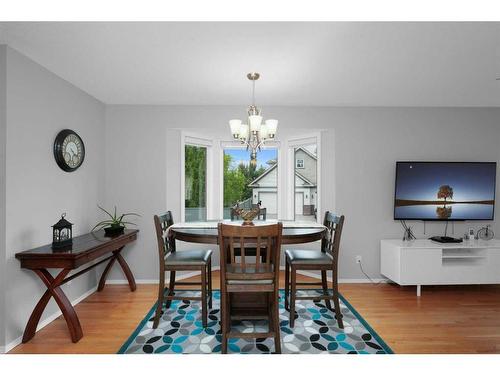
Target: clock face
(69,150)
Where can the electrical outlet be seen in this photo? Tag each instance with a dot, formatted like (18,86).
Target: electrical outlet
(359,258)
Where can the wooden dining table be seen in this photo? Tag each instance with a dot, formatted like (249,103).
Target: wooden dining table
(243,304)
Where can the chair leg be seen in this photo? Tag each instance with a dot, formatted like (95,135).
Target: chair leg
(276,322)
(204,296)
(223,312)
(171,287)
(159,303)
(287,283)
(325,289)
(336,302)
(210,295)
(292,295)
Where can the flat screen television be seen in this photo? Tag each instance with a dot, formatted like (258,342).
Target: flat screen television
(444,191)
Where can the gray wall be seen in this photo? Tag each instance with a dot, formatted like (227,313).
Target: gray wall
(3,128)
(39,105)
(359,150)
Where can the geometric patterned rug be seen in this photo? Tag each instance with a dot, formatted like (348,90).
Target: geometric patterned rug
(316,331)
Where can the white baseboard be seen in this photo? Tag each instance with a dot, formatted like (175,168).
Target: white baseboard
(344,281)
(282,268)
(154,281)
(11,345)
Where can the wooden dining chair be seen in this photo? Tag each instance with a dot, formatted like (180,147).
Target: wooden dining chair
(185,260)
(324,260)
(244,273)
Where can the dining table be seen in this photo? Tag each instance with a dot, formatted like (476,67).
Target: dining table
(206,232)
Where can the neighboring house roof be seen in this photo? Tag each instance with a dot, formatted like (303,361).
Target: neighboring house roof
(308,183)
(274,164)
(307,152)
(254,183)
(266,172)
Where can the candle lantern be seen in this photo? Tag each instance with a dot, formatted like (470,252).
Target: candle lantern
(62,233)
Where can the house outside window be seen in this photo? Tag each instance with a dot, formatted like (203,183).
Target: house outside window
(306,181)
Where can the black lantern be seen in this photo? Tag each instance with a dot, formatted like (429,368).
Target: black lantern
(62,233)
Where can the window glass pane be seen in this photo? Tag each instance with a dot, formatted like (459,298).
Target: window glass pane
(306,171)
(195,164)
(250,184)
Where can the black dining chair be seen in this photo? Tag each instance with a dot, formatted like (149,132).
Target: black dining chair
(185,260)
(310,260)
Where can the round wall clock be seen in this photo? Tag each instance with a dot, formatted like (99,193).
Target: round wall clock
(69,150)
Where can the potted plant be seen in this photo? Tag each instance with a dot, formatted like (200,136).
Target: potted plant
(115,224)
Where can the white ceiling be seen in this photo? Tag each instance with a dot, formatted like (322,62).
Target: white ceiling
(317,64)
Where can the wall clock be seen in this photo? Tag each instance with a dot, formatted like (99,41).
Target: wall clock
(69,150)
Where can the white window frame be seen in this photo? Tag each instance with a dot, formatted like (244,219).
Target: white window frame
(189,139)
(233,145)
(297,163)
(292,144)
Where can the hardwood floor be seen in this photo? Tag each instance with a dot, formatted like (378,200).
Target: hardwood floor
(447,319)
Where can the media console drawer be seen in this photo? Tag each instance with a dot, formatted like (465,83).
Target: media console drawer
(423,262)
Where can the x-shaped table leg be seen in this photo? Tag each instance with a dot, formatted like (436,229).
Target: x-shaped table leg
(53,290)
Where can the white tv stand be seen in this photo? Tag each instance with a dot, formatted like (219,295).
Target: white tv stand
(425,262)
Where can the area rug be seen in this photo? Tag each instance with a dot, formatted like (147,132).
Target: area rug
(315,332)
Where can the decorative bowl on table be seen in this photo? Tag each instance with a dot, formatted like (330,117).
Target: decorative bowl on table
(247,215)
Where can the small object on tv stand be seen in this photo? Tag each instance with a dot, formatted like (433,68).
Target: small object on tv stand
(446,239)
(408,234)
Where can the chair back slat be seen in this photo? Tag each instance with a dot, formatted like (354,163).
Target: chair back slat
(165,246)
(242,254)
(231,244)
(331,241)
(243,267)
(257,253)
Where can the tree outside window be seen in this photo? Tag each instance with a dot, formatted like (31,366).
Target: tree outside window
(195,183)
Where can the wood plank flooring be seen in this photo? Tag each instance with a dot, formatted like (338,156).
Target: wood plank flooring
(446,319)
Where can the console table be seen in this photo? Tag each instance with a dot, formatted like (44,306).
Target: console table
(425,262)
(85,249)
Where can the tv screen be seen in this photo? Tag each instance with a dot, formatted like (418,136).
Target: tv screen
(444,191)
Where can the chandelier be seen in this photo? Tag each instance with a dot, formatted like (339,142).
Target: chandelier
(254,133)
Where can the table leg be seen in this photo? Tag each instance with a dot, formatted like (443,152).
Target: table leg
(53,290)
(123,264)
(126,271)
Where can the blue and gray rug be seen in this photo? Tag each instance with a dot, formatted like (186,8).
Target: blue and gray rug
(316,331)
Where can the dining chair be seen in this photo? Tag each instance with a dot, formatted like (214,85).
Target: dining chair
(310,260)
(185,260)
(250,274)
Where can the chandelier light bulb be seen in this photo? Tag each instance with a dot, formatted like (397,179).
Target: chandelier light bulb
(264,132)
(244,131)
(255,122)
(235,126)
(272,126)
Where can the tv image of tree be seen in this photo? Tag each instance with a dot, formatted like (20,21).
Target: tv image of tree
(444,192)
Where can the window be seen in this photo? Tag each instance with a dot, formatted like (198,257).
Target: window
(195,183)
(304,199)
(249,184)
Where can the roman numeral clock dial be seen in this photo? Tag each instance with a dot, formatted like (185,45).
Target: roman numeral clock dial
(69,150)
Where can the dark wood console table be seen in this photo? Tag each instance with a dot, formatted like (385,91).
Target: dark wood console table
(85,249)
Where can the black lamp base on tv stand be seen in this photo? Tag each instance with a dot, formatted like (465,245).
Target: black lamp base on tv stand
(445,239)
